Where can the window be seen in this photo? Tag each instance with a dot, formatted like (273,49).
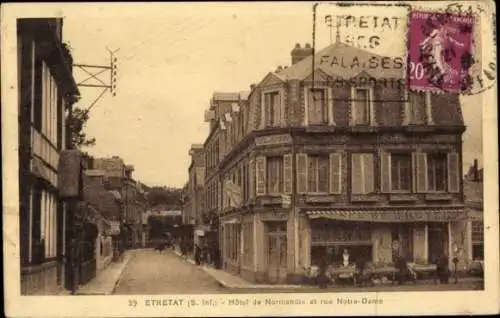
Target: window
(361,110)
(436,172)
(477,232)
(417,108)
(401,172)
(274,175)
(318,173)
(318,111)
(272,105)
(362,176)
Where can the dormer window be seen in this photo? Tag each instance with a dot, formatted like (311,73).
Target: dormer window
(417,110)
(272,108)
(362,106)
(318,106)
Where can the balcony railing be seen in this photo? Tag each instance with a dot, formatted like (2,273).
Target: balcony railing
(42,148)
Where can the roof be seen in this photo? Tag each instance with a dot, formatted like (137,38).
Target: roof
(338,59)
(223,96)
(244,95)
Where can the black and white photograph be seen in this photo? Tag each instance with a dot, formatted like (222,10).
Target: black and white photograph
(238,158)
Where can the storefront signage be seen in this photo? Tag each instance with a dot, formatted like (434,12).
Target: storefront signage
(273,140)
(390,216)
(276,216)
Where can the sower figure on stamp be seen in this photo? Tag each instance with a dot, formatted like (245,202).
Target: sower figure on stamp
(436,46)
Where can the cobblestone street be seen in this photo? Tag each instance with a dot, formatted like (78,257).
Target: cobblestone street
(152,272)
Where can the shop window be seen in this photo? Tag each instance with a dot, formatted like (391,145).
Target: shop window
(436,172)
(318,174)
(401,172)
(477,251)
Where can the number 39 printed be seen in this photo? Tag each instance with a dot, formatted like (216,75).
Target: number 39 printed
(416,71)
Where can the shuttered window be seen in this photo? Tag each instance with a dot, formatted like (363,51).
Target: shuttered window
(274,176)
(260,175)
(287,174)
(272,109)
(417,108)
(436,172)
(453,172)
(362,174)
(251,178)
(317,106)
(335,173)
(361,109)
(317,173)
(400,172)
(301,173)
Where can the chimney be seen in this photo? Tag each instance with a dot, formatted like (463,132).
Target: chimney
(279,69)
(476,171)
(298,53)
(252,86)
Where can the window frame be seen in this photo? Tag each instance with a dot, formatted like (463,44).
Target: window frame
(316,157)
(362,155)
(324,107)
(279,170)
(444,157)
(393,154)
(371,109)
(277,115)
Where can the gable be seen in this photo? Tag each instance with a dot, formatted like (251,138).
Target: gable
(271,79)
(320,75)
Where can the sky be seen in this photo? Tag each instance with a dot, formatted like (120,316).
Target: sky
(171,59)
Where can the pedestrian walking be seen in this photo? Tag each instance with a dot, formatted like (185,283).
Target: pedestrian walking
(197,256)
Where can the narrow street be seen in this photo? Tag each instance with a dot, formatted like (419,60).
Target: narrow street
(152,272)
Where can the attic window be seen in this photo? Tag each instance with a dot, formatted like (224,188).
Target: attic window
(318,111)
(362,106)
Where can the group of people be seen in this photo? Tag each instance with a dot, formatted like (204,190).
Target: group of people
(404,271)
(207,254)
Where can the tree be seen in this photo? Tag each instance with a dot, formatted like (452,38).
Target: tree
(76,123)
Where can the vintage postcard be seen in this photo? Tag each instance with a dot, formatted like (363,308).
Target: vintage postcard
(250,159)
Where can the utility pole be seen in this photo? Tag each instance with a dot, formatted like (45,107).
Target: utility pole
(94,71)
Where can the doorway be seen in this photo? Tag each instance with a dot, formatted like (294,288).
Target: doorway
(437,240)
(276,246)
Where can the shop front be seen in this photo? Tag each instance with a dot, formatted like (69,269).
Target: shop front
(377,237)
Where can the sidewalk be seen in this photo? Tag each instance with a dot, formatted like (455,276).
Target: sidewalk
(229,280)
(106,281)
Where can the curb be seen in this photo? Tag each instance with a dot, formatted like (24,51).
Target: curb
(125,261)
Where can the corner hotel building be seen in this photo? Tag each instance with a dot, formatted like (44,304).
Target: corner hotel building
(336,165)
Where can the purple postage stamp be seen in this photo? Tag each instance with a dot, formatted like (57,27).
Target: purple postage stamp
(440,52)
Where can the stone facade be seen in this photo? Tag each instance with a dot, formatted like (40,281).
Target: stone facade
(298,174)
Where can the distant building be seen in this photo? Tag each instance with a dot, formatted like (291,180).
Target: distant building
(46,89)
(473,192)
(193,196)
(118,177)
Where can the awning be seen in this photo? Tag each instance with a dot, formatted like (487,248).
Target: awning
(430,215)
